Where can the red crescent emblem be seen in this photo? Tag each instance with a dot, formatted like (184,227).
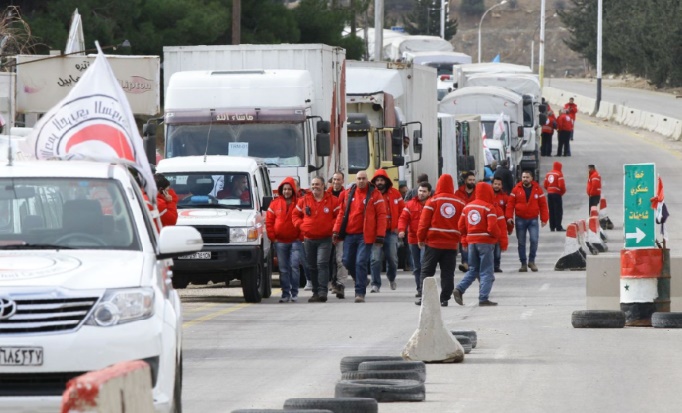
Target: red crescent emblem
(106,134)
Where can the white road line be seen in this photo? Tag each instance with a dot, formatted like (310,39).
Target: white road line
(544,287)
(527,314)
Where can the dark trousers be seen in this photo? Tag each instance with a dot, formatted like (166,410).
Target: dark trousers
(593,201)
(317,253)
(564,148)
(447,260)
(556,211)
(546,147)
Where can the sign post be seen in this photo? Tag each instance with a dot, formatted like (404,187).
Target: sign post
(638,217)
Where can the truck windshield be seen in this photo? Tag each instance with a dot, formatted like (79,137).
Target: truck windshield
(279,144)
(211,189)
(489,126)
(442,68)
(65,213)
(358,152)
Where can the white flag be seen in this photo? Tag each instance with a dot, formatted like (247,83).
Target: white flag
(498,128)
(76,40)
(93,121)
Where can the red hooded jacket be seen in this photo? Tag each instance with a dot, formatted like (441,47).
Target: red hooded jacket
(409,219)
(320,223)
(168,211)
(439,222)
(554,180)
(502,225)
(478,222)
(394,201)
(464,196)
(571,109)
(279,219)
(564,123)
(550,124)
(369,221)
(528,208)
(594,184)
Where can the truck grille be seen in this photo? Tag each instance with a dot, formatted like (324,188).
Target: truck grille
(39,315)
(218,234)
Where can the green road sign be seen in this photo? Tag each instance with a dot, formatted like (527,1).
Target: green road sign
(639,188)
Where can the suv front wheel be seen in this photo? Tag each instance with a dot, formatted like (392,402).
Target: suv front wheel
(252,283)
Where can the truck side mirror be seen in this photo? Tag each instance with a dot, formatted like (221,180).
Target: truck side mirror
(323,144)
(267,200)
(542,108)
(520,131)
(149,129)
(398,160)
(417,141)
(542,117)
(323,126)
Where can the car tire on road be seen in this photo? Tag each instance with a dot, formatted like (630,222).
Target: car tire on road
(336,405)
(598,319)
(179,281)
(177,390)
(666,320)
(465,342)
(382,390)
(351,363)
(252,283)
(281,410)
(267,275)
(383,374)
(403,365)
(469,333)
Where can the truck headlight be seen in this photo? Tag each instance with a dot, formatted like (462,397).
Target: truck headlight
(120,306)
(243,234)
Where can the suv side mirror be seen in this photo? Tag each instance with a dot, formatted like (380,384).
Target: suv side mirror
(417,141)
(542,108)
(323,126)
(323,144)
(265,204)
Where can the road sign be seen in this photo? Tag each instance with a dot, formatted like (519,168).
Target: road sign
(639,188)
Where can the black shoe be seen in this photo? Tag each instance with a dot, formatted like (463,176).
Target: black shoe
(551,229)
(323,298)
(561,230)
(443,303)
(418,295)
(498,269)
(487,303)
(464,267)
(315,299)
(457,295)
(418,302)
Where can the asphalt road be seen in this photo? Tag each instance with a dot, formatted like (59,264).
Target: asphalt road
(529,358)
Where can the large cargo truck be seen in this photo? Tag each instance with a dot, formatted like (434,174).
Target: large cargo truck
(284,104)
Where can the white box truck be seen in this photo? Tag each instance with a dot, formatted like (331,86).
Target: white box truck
(282,103)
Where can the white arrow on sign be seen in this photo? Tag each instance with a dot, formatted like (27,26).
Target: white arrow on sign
(638,235)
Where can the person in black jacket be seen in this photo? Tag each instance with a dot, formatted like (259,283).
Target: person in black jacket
(503,173)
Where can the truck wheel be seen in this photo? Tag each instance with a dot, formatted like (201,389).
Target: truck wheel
(179,281)
(267,276)
(252,283)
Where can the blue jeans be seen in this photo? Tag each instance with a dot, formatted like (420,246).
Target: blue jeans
(498,255)
(480,264)
(390,249)
(289,258)
(533,228)
(356,255)
(317,252)
(417,255)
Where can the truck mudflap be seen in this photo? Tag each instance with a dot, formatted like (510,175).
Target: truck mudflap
(217,259)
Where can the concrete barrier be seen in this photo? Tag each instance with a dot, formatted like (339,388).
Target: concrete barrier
(604,220)
(593,237)
(572,259)
(603,282)
(606,110)
(122,388)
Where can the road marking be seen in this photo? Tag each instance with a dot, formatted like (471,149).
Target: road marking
(544,287)
(197,309)
(214,315)
(502,352)
(527,314)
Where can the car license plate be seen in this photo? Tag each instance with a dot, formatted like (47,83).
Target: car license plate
(201,255)
(21,356)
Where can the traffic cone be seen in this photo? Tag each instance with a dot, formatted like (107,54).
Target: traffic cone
(582,238)
(594,212)
(604,220)
(572,259)
(593,237)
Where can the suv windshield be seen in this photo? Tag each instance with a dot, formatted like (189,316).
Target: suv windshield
(88,213)
(211,189)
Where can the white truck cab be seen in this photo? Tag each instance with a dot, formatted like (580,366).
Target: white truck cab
(85,282)
(225,199)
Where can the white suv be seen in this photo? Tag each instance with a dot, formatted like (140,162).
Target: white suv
(84,282)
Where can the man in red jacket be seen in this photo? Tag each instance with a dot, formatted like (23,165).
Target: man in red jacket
(314,216)
(394,205)
(409,221)
(593,187)
(564,125)
(500,199)
(338,273)
(480,233)
(556,188)
(439,235)
(547,134)
(571,110)
(466,193)
(361,223)
(527,202)
(286,237)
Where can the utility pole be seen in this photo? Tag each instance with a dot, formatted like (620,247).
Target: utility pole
(442,18)
(599,50)
(378,29)
(236,21)
(541,57)
(352,18)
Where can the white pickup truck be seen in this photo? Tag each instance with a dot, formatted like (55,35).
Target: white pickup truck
(85,282)
(225,199)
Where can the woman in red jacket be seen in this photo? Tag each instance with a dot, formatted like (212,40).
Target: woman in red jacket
(280,227)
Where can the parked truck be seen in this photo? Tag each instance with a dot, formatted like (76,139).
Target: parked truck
(461,145)
(372,88)
(284,104)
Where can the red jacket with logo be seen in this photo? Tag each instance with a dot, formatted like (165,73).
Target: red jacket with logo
(500,199)
(370,221)
(409,219)
(550,124)
(554,180)
(464,196)
(572,109)
(439,222)
(279,219)
(502,225)
(594,184)
(393,199)
(478,222)
(564,123)
(320,222)
(528,208)
(168,211)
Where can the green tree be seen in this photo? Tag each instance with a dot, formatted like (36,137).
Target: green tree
(425,19)
(319,23)
(472,7)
